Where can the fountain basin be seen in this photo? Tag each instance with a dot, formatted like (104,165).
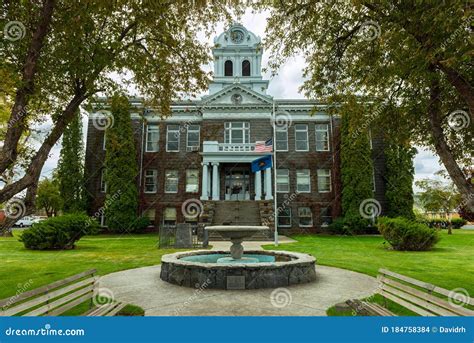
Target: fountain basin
(202,268)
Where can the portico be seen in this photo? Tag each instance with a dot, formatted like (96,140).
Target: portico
(226,173)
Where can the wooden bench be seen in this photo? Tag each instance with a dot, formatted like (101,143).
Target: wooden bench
(58,297)
(420,297)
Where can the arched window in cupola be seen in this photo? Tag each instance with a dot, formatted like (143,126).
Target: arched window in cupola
(228,68)
(245,68)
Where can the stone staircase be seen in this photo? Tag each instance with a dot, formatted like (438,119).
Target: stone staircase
(237,213)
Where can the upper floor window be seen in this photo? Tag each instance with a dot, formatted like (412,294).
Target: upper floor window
(301,137)
(172,138)
(228,68)
(303,183)
(150,180)
(192,180)
(245,68)
(283,181)
(281,139)
(193,137)
(152,137)
(171,181)
(237,132)
(324,180)
(322,137)
(103,184)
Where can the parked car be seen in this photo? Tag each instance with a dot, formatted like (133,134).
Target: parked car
(28,221)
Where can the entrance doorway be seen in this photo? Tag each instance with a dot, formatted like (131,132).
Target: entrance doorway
(237,184)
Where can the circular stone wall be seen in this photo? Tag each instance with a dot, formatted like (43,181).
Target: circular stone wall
(289,269)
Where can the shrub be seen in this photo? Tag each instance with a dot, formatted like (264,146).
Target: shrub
(337,227)
(458,223)
(405,234)
(140,224)
(58,232)
(350,226)
(438,223)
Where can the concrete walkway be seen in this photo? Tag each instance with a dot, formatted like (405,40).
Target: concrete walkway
(143,287)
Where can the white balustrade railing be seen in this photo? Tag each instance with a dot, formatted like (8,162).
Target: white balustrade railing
(213,146)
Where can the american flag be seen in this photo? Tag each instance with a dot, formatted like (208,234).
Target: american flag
(264,146)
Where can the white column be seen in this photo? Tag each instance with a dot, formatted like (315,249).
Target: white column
(205,182)
(258,185)
(268,184)
(209,182)
(215,181)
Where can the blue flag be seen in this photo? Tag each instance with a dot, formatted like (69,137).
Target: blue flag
(262,163)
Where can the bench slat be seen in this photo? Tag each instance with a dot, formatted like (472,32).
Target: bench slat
(116,310)
(406,304)
(37,301)
(10,301)
(428,297)
(70,305)
(48,307)
(379,310)
(425,285)
(102,310)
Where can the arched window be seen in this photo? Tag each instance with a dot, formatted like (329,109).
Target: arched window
(245,68)
(228,68)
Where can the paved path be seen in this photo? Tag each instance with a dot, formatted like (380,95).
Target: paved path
(143,287)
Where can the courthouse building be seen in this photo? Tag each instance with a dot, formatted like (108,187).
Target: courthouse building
(201,155)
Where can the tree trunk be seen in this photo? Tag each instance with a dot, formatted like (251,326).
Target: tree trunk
(441,146)
(18,117)
(29,202)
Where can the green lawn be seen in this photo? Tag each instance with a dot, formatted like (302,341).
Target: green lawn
(105,253)
(450,264)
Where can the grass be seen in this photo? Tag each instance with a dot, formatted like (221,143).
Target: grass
(105,253)
(449,265)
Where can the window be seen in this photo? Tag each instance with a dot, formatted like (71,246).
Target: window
(150,214)
(169,216)
(283,181)
(301,137)
(193,137)
(237,132)
(305,216)
(228,68)
(281,139)
(171,181)
(322,137)
(103,184)
(325,215)
(192,180)
(324,180)
(303,182)
(245,68)
(152,138)
(172,138)
(150,180)
(284,217)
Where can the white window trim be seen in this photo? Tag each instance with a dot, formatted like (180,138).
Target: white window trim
(179,136)
(155,176)
(278,218)
(199,136)
(288,178)
(330,181)
(147,137)
(309,177)
(186,182)
(177,183)
(286,140)
(327,135)
(307,142)
(312,221)
(245,126)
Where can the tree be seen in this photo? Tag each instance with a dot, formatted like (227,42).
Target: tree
(68,52)
(121,169)
(438,197)
(70,167)
(48,197)
(411,57)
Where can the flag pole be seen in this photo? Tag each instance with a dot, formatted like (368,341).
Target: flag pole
(275,213)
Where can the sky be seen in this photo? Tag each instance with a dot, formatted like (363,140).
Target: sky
(285,84)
